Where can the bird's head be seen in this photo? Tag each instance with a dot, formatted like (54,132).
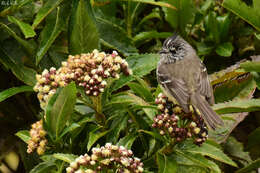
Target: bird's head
(173,48)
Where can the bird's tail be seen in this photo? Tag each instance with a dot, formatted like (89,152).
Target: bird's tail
(207,113)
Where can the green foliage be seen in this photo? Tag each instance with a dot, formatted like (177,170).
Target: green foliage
(26,28)
(59,110)
(166,164)
(38,35)
(81,21)
(13,91)
(250,14)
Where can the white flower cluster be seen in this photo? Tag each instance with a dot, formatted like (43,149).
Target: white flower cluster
(177,124)
(108,157)
(38,140)
(87,70)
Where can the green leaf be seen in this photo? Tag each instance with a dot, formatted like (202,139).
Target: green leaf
(83,35)
(225,49)
(257,36)
(223,26)
(193,169)
(46,9)
(235,149)
(203,48)
(114,37)
(250,14)
(127,99)
(237,106)
(231,85)
(250,167)
(251,66)
(254,138)
(43,167)
(139,101)
(94,136)
(141,91)
(25,28)
(142,37)
(122,99)
(65,157)
(60,108)
(70,128)
(153,134)
(166,164)
(24,135)
(184,14)
(127,141)
(29,46)
(198,160)
(212,27)
(118,124)
(13,91)
(54,26)
(152,2)
(23,73)
(213,152)
(154,14)
(139,66)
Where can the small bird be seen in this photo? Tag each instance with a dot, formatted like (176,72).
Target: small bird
(184,79)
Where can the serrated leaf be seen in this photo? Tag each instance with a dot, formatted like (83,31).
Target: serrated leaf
(141,91)
(199,160)
(235,149)
(225,49)
(46,9)
(250,14)
(60,108)
(25,28)
(65,157)
(94,136)
(43,167)
(126,99)
(13,91)
(250,167)
(83,35)
(23,73)
(24,135)
(166,164)
(127,141)
(139,101)
(139,66)
(237,106)
(115,37)
(213,152)
(52,30)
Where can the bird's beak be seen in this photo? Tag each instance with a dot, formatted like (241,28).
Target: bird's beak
(163,51)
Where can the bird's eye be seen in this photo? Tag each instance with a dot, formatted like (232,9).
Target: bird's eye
(173,50)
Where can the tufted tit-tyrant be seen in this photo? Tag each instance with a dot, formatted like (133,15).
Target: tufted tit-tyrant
(184,79)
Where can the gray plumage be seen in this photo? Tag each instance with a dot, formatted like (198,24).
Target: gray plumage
(183,78)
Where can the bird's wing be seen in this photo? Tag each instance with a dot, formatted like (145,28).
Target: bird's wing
(177,88)
(204,87)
